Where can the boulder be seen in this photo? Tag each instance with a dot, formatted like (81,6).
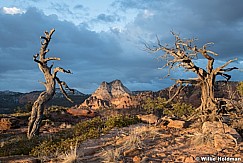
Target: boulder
(20,159)
(173,123)
(7,123)
(220,128)
(149,118)
(223,135)
(82,112)
(176,124)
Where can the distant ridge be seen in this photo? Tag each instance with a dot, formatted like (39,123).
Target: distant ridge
(9,100)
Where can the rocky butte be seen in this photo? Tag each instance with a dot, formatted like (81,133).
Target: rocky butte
(113,94)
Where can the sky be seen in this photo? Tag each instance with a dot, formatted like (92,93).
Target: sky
(104,40)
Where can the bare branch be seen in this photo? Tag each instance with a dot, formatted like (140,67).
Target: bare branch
(46,51)
(51,66)
(205,45)
(229,69)
(36,56)
(51,32)
(36,60)
(221,68)
(211,52)
(52,58)
(44,38)
(59,69)
(177,92)
(61,84)
(226,76)
(181,82)
(158,40)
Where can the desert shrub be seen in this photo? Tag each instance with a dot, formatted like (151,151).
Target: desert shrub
(121,121)
(19,145)
(155,105)
(61,142)
(86,126)
(180,110)
(89,129)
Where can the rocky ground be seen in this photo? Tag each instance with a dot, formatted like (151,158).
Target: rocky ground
(148,143)
(170,140)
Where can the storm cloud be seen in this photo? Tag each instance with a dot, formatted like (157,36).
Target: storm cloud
(117,52)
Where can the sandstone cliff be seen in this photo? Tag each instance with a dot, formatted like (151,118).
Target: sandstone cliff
(107,91)
(113,94)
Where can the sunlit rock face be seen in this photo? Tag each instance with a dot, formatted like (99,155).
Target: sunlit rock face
(113,94)
(107,91)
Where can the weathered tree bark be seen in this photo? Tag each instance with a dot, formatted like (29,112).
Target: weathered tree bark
(50,83)
(182,55)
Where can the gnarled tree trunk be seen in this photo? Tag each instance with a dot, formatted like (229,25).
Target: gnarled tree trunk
(182,55)
(208,105)
(50,83)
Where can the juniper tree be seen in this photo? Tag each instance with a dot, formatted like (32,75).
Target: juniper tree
(51,79)
(183,54)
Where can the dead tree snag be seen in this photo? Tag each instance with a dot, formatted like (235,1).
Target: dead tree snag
(50,83)
(183,55)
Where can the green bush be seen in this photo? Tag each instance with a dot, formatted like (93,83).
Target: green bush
(153,105)
(121,121)
(18,145)
(179,110)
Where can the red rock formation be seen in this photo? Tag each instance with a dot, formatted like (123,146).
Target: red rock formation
(113,94)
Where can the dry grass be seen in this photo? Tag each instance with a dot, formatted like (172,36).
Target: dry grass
(202,139)
(134,140)
(70,156)
(112,155)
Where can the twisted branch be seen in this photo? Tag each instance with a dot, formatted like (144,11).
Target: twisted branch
(61,84)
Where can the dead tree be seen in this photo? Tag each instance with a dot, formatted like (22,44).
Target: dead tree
(50,83)
(183,54)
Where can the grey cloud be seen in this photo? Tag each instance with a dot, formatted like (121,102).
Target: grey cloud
(61,7)
(95,57)
(137,4)
(92,57)
(107,18)
(78,7)
(215,21)
(226,11)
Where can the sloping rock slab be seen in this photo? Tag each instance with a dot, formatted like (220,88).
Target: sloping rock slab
(150,118)
(220,128)
(19,159)
(176,124)
(224,136)
(173,123)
